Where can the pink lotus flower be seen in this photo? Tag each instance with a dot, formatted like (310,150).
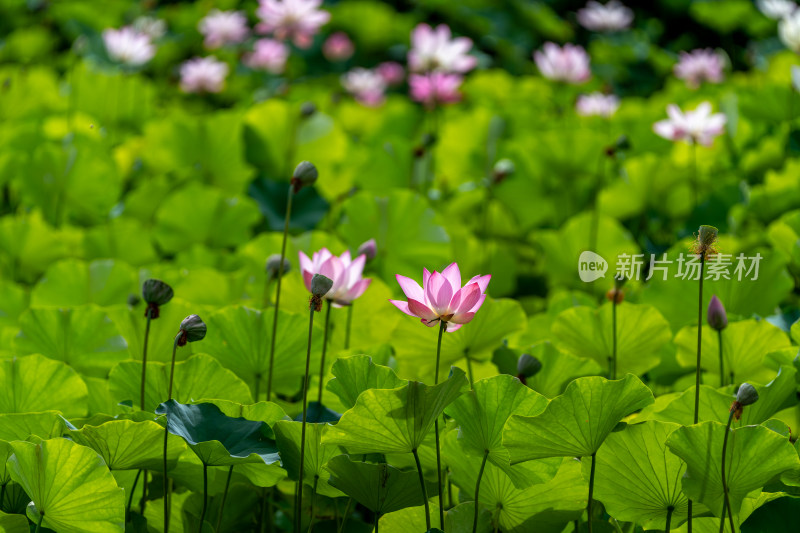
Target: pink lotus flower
(346,274)
(698,66)
(435,88)
(269,55)
(338,47)
(441,297)
(298,20)
(597,105)
(128,46)
(696,126)
(569,64)
(435,49)
(367,86)
(392,72)
(612,16)
(203,74)
(223,27)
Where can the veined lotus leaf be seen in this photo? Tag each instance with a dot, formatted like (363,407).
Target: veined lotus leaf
(355,374)
(318,453)
(35,383)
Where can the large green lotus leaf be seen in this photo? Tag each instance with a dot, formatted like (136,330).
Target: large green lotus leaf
(355,374)
(576,423)
(122,238)
(83,337)
(200,376)
(13,523)
(641,332)
(416,353)
(481,414)
(36,383)
(755,455)
(217,220)
(782,514)
(29,245)
(745,345)
(13,301)
(558,369)
(547,504)
(318,453)
(322,140)
(266,137)
(70,484)
(404,228)
(456,520)
(21,426)
(129,445)
(381,488)
(218,439)
(637,479)
(395,420)
(70,282)
(240,338)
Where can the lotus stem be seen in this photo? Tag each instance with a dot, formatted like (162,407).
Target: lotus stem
(424,490)
(478,490)
(612,371)
(313,497)
(442,327)
(278,292)
(376,521)
(346,513)
(699,342)
(299,509)
(670,510)
(39,523)
(224,498)
(721,360)
(144,357)
(166,434)
(591,494)
(324,350)
(726,503)
(130,496)
(349,326)
(205,498)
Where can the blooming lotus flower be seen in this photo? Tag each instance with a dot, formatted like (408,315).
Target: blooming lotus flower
(338,47)
(150,26)
(776,9)
(203,74)
(597,104)
(269,55)
(698,66)
(442,298)
(298,20)
(435,49)
(696,126)
(346,274)
(789,31)
(128,46)
(223,27)
(392,72)
(612,16)
(569,64)
(367,86)
(435,88)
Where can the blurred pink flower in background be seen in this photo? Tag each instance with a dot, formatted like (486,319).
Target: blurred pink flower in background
(203,74)
(367,86)
(435,49)
(223,27)
(346,274)
(435,88)
(569,64)
(441,297)
(128,46)
(612,16)
(697,126)
(597,105)
(392,72)
(338,47)
(269,55)
(698,66)
(298,20)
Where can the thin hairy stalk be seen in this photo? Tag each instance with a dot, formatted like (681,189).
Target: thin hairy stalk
(478,491)
(591,494)
(442,327)
(144,357)
(205,498)
(324,350)
(670,510)
(313,497)
(166,434)
(39,523)
(298,510)
(727,503)
(130,497)
(278,292)
(424,490)
(699,342)
(346,514)
(224,498)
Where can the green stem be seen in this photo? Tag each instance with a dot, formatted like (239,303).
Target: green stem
(469,370)
(670,510)
(2,495)
(375,521)
(591,494)
(424,490)
(695,177)
(324,350)
(278,292)
(267,283)
(721,360)
(727,503)
(349,326)
(205,498)
(442,327)
(39,523)
(699,343)
(144,493)
(313,497)
(130,496)
(478,490)
(344,517)
(299,510)
(144,356)
(166,434)
(612,371)
(224,498)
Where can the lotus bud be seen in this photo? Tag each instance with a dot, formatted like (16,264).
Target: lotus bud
(307,109)
(320,285)
(502,169)
(273,266)
(368,249)
(746,395)
(717,318)
(305,174)
(528,366)
(155,293)
(706,243)
(133,300)
(192,329)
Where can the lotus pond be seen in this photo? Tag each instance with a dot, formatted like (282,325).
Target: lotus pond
(354,266)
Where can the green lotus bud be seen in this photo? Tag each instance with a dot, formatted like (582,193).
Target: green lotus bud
(192,329)
(320,285)
(502,169)
(528,365)
(133,300)
(305,174)
(273,267)
(307,109)
(369,249)
(747,395)
(156,293)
